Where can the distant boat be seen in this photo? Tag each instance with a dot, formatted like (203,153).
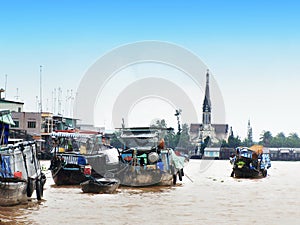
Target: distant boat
(250,162)
(100,185)
(20,170)
(199,156)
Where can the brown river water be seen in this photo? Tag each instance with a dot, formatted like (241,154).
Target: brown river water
(207,195)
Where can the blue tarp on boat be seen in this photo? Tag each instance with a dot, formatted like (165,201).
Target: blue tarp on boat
(81,160)
(5,167)
(265,161)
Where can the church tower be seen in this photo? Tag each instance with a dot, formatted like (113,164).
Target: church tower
(249,134)
(206,129)
(206,116)
(199,132)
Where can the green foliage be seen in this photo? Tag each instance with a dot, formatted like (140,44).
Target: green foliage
(266,138)
(247,142)
(184,138)
(204,145)
(233,141)
(280,140)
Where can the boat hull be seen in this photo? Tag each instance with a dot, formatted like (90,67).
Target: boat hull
(141,179)
(68,176)
(20,174)
(102,185)
(135,176)
(166,179)
(246,172)
(13,193)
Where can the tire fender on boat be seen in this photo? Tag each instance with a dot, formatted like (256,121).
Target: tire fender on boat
(264,173)
(174,179)
(39,189)
(29,188)
(179,175)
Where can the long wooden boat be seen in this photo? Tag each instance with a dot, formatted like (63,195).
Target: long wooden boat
(69,165)
(100,185)
(20,170)
(69,168)
(144,160)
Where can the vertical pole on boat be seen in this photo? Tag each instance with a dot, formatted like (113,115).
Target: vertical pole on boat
(55,146)
(2,132)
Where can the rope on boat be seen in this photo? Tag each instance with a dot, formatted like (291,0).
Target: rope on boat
(125,167)
(188,177)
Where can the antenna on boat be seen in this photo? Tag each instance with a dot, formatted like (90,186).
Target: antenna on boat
(123,123)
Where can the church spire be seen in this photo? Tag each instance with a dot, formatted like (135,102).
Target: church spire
(249,134)
(206,119)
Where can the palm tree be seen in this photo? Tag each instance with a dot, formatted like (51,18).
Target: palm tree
(293,140)
(266,138)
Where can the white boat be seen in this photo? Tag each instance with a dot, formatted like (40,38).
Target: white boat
(20,170)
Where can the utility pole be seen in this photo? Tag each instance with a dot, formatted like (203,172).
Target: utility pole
(17,96)
(41,97)
(177,114)
(5,87)
(59,101)
(37,103)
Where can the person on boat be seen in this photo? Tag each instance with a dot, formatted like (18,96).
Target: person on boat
(161,144)
(70,146)
(75,145)
(142,162)
(237,153)
(134,161)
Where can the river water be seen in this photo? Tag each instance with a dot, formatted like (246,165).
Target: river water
(207,195)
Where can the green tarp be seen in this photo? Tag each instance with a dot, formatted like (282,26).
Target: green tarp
(5,117)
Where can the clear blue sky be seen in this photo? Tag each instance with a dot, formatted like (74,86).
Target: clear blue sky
(251,47)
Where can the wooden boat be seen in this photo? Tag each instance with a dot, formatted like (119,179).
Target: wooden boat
(250,162)
(100,185)
(69,165)
(68,169)
(72,168)
(144,160)
(20,170)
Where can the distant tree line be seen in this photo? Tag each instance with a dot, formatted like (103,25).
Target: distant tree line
(280,140)
(182,139)
(266,139)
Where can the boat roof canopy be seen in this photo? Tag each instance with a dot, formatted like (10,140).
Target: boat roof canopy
(5,117)
(258,149)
